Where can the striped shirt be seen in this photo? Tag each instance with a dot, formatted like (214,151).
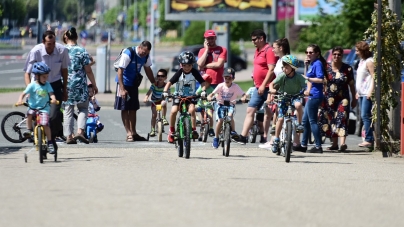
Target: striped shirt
(157,92)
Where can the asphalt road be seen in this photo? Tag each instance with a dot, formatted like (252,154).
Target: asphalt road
(116,183)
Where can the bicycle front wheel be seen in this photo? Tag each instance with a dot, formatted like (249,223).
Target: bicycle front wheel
(11,127)
(253,134)
(205,132)
(288,141)
(39,143)
(226,147)
(187,137)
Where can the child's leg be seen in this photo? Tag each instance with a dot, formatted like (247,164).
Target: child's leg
(164,109)
(278,127)
(299,112)
(191,110)
(267,120)
(219,127)
(173,117)
(154,116)
(29,122)
(47,133)
(209,112)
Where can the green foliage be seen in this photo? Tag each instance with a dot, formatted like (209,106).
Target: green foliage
(14,10)
(343,29)
(142,11)
(111,15)
(194,33)
(392,34)
(167,24)
(242,30)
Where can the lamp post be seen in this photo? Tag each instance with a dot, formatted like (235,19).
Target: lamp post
(288,6)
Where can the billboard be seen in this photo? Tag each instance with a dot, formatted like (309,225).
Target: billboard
(221,10)
(307,10)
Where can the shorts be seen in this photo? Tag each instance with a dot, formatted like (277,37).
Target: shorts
(43,117)
(221,109)
(256,100)
(176,101)
(283,108)
(125,104)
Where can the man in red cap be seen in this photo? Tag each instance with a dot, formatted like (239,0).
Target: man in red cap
(211,58)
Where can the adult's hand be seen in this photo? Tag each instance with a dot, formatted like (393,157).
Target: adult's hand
(261,89)
(205,44)
(95,89)
(306,93)
(123,92)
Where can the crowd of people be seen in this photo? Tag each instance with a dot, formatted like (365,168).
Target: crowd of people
(63,72)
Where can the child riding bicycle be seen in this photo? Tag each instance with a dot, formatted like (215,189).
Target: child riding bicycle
(205,105)
(156,91)
(39,92)
(185,80)
(227,92)
(288,82)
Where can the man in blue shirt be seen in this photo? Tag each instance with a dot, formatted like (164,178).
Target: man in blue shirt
(127,93)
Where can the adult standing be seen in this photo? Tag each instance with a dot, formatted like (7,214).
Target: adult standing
(127,94)
(315,79)
(263,74)
(56,56)
(77,90)
(364,89)
(211,58)
(339,87)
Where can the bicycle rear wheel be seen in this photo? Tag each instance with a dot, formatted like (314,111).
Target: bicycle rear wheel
(180,147)
(187,137)
(253,134)
(205,132)
(160,131)
(39,143)
(11,127)
(226,147)
(288,141)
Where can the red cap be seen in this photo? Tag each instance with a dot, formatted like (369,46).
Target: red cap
(207,78)
(209,33)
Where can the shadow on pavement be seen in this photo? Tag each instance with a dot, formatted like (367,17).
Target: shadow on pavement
(4,150)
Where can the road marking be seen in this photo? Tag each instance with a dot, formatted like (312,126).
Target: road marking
(16,78)
(12,71)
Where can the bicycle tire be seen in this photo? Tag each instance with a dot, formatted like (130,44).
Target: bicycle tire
(205,132)
(160,131)
(180,148)
(39,143)
(288,142)
(187,137)
(92,136)
(10,129)
(226,148)
(253,134)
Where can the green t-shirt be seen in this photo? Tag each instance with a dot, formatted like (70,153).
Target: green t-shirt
(290,85)
(204,103)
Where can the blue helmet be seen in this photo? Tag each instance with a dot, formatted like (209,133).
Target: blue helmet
(40,68)
(291,60)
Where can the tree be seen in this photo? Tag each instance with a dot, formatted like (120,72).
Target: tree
(344,29)
(392,53)
(14,10)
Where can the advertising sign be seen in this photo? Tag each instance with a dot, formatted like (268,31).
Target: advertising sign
(307,10)
(221,10)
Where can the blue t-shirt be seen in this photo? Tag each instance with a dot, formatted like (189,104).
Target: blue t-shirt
(130,67)
(39,95)
(316,71)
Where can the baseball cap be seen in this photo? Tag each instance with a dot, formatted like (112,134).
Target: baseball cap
(209,33)
(229,72)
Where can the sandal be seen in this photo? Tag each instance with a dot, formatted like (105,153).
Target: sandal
(343,147)
(129,139)
(365,144)
(333,148)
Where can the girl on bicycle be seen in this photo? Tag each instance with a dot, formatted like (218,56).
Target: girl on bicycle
(156,92)
(227,94)
(289,82)
(205,104)
(39,92)
(185,80)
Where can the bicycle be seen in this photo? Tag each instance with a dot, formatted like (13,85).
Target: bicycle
(205,125)
(159,121)
(39,133)
(288,131)
(183,133)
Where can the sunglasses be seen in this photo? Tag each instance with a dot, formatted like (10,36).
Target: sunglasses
(253,40)
(309,52)
(227,78)
(161,76)
(339,55)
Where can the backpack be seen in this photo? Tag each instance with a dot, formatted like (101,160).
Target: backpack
(116,62)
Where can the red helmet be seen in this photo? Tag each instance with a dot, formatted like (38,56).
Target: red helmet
(207,78)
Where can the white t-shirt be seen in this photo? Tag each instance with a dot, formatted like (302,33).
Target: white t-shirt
(363,78)
(278,67)
(227,93)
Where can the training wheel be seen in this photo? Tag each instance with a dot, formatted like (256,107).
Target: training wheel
(26,158)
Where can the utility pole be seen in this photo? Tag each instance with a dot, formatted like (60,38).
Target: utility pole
(39,21)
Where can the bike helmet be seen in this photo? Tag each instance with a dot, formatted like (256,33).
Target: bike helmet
(291,60)
(229,72)
(186,57)
(207,78)
(40,68)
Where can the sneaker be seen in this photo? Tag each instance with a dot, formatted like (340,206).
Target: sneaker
(195,135)
(299,128)
(241,140)
(200,139)
(59,140)
(315,150)
(267,145)
(299,148)
(215,143)
(263,139)
(198,122)
(170,137)
(272,132)
(51,149)
(165,122)
(234,135)
(152,132)
(211,132)
(28,134)
(275,145)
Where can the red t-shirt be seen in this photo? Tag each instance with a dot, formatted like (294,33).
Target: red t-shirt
(261,60)
(213,56)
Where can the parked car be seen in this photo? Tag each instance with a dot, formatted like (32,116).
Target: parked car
(14,33)
(328,55)
(237,63)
